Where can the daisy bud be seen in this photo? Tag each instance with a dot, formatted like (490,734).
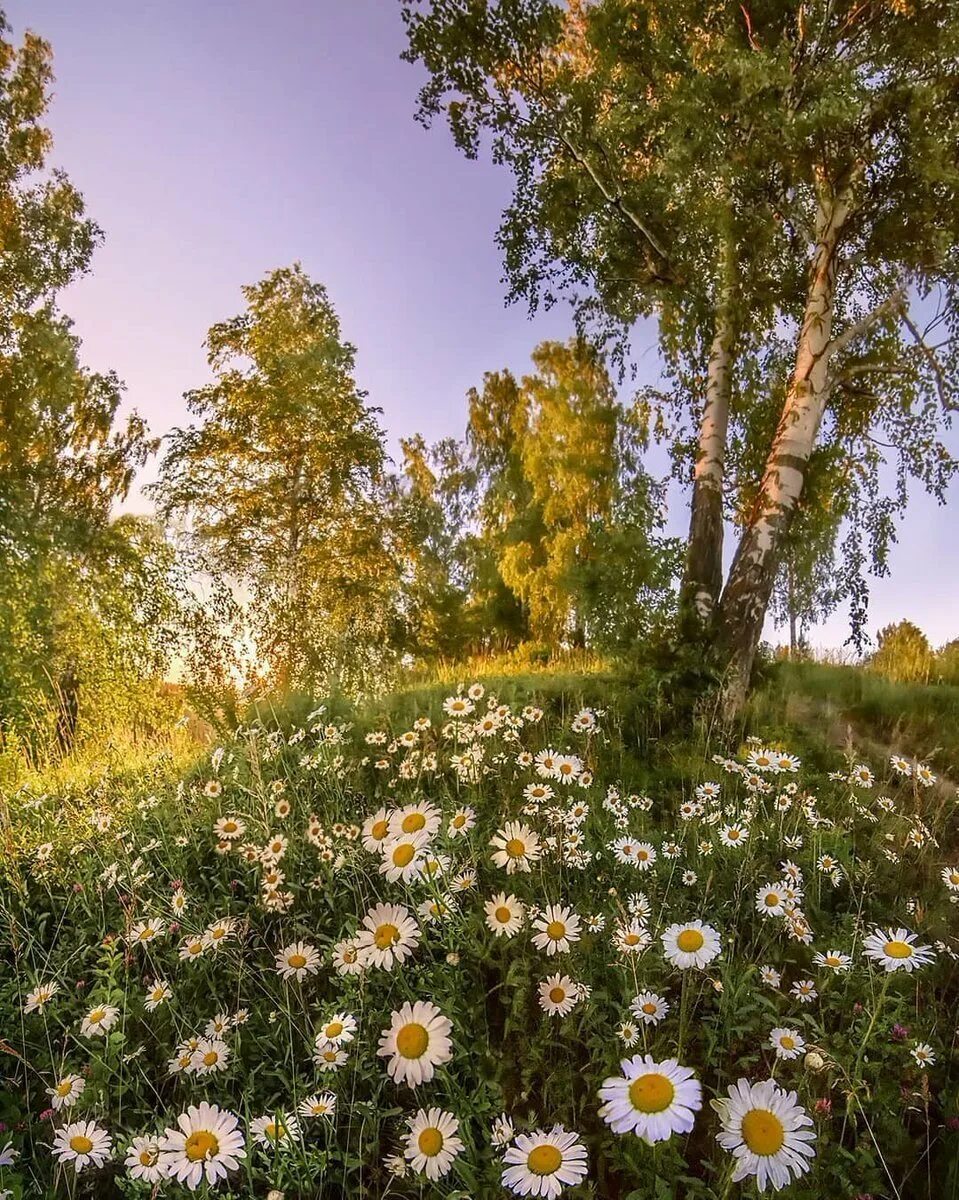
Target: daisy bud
(814,1061)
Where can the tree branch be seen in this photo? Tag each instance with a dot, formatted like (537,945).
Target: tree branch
(894,302)
(942,385)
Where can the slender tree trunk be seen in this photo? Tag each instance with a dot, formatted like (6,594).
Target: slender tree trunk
(753,572)
(703,575)
(791,600)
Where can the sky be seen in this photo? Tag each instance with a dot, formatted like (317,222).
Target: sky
(216,141)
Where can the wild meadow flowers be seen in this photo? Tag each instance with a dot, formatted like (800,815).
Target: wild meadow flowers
(487,952)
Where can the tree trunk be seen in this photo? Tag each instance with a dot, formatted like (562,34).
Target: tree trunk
(703,574)
(791,600)
(753,572)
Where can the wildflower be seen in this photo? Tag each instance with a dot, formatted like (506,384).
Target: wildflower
(558,995)
(923,1054)
(516,846)
(275,1130)
(416,1043)
(432,1143)
(558,928)
(504,914)
(652,1099)
(207,1144)
(318,1105)
(297,961)
(542,1164)
(143,1159)
(84,1143)
(767,1133)
(896,950)
(99,1020)
(389,936)
(691,945)
(66,1091)
(787,1043)
(40,997)
(649,1008)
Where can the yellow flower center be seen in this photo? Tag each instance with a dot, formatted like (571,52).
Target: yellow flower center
(274,1130)
(379,830)
(763,1131)
(642,855)
(555,930)
(690,940)
(334,1029)
(412,1040)
(413,821)
(649,1008)
(460,820)
(503,915)
(733,834)
(557,995)
(515,848)
(201,1146)
(65,1088)
(896,949)
(96,1016)
(80,1144)
(651,1093)
(148,1158)
(544,1160)
(211,1058)
(430,1142)
(787,1042)
(297,961)
(385,936)
(229,826)
(632,939)
(954,877)
(403,855)
(771,899)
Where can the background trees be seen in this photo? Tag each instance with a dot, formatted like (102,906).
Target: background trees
(280,484)
(778,186)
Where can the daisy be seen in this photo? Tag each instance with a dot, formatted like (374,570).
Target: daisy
(219,932)
(862,777)
(690,945)
(375,831)
(143,1159)
(220,1024)
(516,846)
(542,1164)
(631,937)
(318,1105)
(83,1143)
(99,1021)
(653,1100)
(771,900)
(896,950)
(297,961)
(950,877)
(208,1143)
(157,993)
(924,776)
(228,829)
(649,1008)
(767,1133)
(558,927)
(339,1029)
(628,1033)
(538,793)
(432,1143)
(146,931)
(66,1091)
(457,706)
(416,818)
(901,766)
(275,1130)
(346,957)
(787,1043)
(734,834)
(40,997)
(923,1054)
(329,1057)
(834,960)
(461,822)
(504,914)
(403,857)
(502,1131)
(804,990)
(389,936)
(558,995)
(210,1056)
(770,976)
(416,1043)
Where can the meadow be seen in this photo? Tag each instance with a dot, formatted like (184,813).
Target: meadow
(509,936)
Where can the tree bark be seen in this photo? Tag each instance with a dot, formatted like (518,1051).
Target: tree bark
(703,574)
(753,572)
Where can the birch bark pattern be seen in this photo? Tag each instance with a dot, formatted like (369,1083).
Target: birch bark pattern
(703,576)
(753,572)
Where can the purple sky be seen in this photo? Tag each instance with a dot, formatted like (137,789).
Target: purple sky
(214,141)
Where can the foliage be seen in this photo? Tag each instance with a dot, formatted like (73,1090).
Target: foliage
(280,484)
(904,654)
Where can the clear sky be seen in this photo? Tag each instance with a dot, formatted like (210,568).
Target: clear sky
(215,140)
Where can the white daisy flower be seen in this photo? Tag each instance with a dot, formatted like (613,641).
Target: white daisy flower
(504,914)
(389,936)
(767,1133)
(297,960)
(432,1143)
(206,1144)
(558,995)
(691,944)
(322,1104)
(66,1091)
(40,997)
(897,950)
(542,1164)
(652,1099)
(143,1159)
(787,1043)
(558,927)
(515,847)
(339,1030)
(649,1007)
(82,1143)
(416,1043)
(99,1020)
(274,1130)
